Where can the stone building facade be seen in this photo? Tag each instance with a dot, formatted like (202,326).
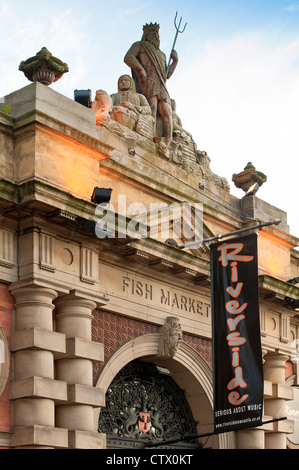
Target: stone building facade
(77,310)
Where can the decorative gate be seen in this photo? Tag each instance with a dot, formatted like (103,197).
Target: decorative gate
(144,404)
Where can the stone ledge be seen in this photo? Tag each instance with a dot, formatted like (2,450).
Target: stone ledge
(272,390)
(86,440)
(39,103)
(83,349)
(267,426)
(5,439)
(286,426)
(38,387)
(38,338)
(36,435)
(85,395)
(268,391)
(282,391)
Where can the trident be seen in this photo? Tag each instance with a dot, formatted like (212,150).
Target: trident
(176,35)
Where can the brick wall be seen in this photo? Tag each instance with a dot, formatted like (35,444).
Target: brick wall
(6,322)
(114,330)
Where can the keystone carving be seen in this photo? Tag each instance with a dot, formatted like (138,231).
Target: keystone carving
(171,337)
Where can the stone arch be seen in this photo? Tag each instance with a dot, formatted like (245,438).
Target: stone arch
(189,370)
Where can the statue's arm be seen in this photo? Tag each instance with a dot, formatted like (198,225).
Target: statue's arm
(131,57)
(144,107)
(174,63)
(131,60)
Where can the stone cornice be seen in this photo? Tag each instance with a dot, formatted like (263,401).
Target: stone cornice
(272,287)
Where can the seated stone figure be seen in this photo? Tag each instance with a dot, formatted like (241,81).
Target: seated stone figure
(102,106)
(131,109)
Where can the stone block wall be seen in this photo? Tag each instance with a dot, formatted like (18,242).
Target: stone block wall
(6,323)
(114,330)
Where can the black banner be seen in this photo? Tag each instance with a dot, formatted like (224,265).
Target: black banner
(237,356)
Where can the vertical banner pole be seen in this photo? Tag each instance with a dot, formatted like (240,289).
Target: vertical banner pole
(237,355)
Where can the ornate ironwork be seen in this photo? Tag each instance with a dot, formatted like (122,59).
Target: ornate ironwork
(144,404)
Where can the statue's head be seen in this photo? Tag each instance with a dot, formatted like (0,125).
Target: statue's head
(151,33)
(100,94)
(126,83)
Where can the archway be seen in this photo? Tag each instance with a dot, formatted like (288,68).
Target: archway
(189,371)
(145,405)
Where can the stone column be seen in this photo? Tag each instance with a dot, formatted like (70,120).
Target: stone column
(33,388)
(73,317)
(250,439)
(274,372)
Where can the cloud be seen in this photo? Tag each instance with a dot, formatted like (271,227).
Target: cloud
(63,32)
(241,105)
(292,8)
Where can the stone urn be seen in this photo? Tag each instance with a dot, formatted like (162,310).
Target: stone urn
(248,178)
(43,68)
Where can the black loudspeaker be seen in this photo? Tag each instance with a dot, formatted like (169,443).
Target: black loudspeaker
(100,195)
(83,97)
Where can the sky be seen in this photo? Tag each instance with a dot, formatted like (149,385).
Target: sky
(236,85)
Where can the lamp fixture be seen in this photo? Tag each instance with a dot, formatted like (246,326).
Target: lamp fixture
(171,242)
(293,303)
(101,195)
(252,190)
